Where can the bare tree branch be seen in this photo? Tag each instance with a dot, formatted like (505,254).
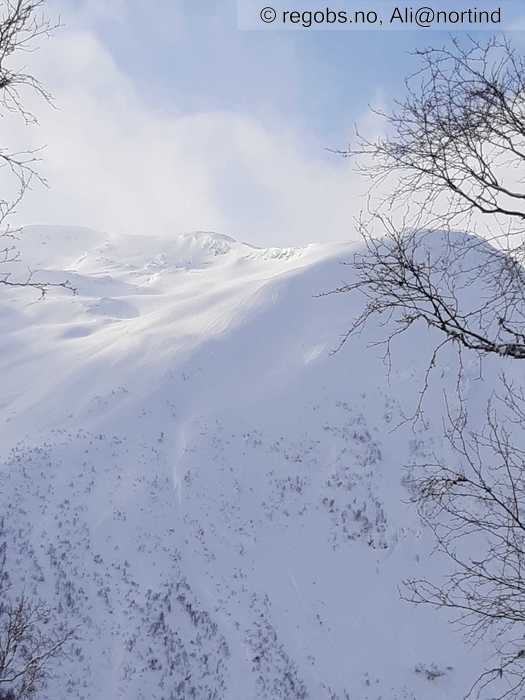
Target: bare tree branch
(456,148)
(22,24)
(31,638)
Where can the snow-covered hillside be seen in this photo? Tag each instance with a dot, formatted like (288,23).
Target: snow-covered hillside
(218,500)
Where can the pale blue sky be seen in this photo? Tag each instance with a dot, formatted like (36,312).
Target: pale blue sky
(190,55)
(169,116)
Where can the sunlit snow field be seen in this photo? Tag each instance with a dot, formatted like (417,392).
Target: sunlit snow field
(218,499)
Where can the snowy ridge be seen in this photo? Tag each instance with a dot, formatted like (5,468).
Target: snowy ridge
(218,499)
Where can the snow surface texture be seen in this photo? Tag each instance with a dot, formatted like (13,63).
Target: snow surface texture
(217,499)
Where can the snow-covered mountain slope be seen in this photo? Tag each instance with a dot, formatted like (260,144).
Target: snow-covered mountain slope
(216,498)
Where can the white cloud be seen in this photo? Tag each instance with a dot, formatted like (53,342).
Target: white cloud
(116,164)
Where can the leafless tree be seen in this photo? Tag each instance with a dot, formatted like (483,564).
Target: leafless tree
(27,647)
(30,635)
(459,132)
(22,24)
(456,146)
(32,638)
(455,150)
(474,502)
